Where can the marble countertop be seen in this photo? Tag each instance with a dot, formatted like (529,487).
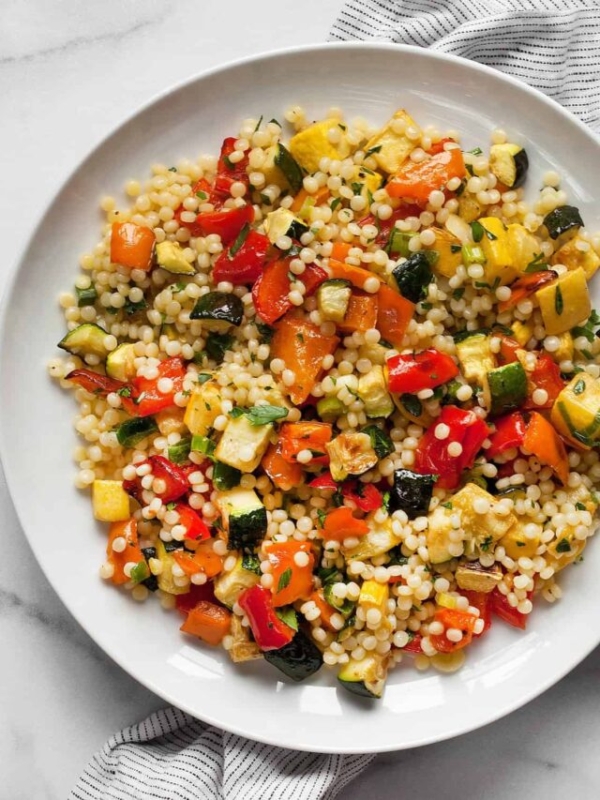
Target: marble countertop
(69,72)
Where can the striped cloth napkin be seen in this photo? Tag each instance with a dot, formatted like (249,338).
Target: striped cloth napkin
(553,45)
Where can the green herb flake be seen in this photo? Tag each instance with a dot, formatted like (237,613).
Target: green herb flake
(558,301)
(239,241)
(288,616)
(580,507)
(335,203)
(455,248)
(266,331)
(260,415)
(124,391)
(202,195)
(458,293)
(476,151)
(172,169)
(259,123)
(486,543)
(356,187)
(538,264)
(321,517)
(276,122)
(284,579)
(372,150)
(228,162)
(477,230)
(563,546)
(447,505)
(203,377)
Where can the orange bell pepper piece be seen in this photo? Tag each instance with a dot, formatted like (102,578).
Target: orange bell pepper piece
(326,610)
(340,251)
(284,473)
(341,524)
(297,436)
(132,245)
(525,286)
(208,622)
(203,558)
(452,618)
(290,581)
(417,181)
(361,314)
(132,553)
(393,315)
(302,196)
(302,347)
(546,445)
(356,275)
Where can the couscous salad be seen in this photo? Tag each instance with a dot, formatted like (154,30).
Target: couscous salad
(338,392)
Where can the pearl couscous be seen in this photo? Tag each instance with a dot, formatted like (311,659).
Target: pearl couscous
(339,398)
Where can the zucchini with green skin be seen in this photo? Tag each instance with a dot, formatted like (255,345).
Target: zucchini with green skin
(411,493)
(330,408)
(333,298)
(225,477)
(221,307)
(120,362)
(509,163)
(84,340)
(86,297)
(169,256)
(380,440)
(132,431)
(244,519)
(179,453)
(289,167)
(474,353)
(299,659)
(365,678)
(508,387)
(372,390)
(413,276)
(283,222)
(228,586)
(561,220)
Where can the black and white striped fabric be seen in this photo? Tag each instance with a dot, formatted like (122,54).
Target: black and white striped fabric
(553,45)
(172,756)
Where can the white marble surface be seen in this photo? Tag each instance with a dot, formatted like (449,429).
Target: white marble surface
(69,71)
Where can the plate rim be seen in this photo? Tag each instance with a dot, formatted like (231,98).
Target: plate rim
(451,731)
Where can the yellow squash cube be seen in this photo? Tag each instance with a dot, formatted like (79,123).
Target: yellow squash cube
(565,303)
(572,257)
(312,144)
(203,408)
(497,252)
(449,253)
(110,501)
(576,411)
(390,149)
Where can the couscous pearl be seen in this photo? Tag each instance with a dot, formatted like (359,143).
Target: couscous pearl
(455,449)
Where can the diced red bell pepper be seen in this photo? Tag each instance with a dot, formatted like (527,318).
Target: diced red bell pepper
(425,370)
(270,293)
(185,602)
(244,265)
(508,350)
(501,608)
(144,397)
(297,436)
(438,147)
(385,227)
(125,529)
(366,496)
(341,524)
(94,382)
(546,376)
(269,632)
(432,457)
(453,618)
(509,433)
(195,527)
(201,190)
(480,601)
(226,223)
(324,481)
(414,645)
(229,172)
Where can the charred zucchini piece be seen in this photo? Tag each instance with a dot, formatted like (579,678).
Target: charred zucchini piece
(561,220)
(413,276)
(411,493)
(219,306)
(299,659)
(509,163)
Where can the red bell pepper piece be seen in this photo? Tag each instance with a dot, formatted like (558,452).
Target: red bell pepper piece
(201,190)
(245,264)
(480,601)
(195,527)
(269,631)
(324,481)
(94,382)
(385,227)
(271,290)
(144,397)
(229,172)
(508,350)
(185,602)
(438,147)
(366,496)
(501,608)
(425,370)
(432,457)
(341,524)
(414,645)
(226,223)
(509,433)
(546,375)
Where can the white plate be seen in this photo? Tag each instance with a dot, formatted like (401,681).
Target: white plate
(505,670)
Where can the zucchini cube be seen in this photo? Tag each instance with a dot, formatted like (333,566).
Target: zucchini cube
(565,303)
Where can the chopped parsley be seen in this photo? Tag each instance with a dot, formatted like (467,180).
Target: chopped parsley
(558,301)
(372,150)
(539,264)
(284,579)
(259,123)
(239,241)
(486,543)
(563,546)
(259,415)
